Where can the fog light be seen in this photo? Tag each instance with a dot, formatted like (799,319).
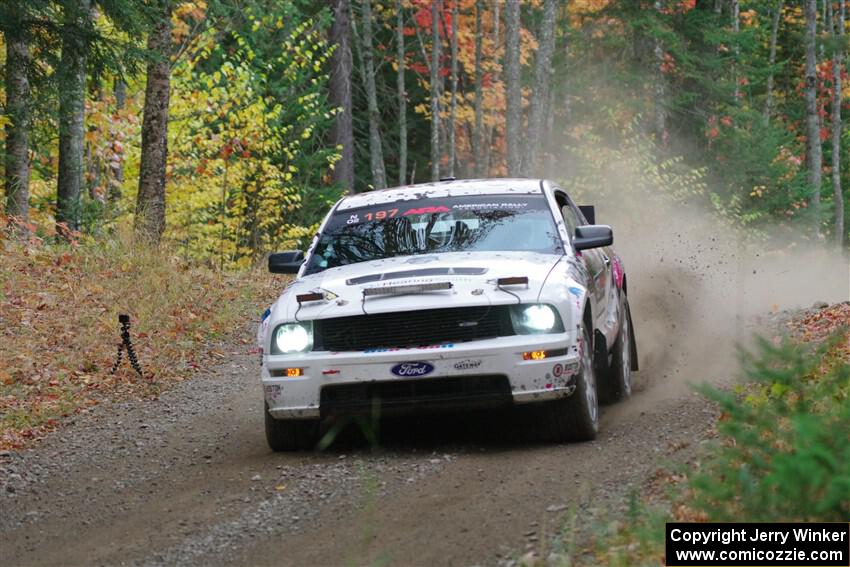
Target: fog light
(294,372)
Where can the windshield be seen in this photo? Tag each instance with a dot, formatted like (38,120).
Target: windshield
(490,223)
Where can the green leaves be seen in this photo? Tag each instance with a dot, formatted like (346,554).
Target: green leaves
(248,114)
(785,456)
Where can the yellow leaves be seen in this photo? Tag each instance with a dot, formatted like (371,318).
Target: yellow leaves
(749,18)
(184,15)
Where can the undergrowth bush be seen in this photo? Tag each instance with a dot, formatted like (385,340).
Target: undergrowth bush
(786,449)
(783,452)
(59,305)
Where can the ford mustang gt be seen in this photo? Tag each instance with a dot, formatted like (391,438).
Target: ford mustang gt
(448,296)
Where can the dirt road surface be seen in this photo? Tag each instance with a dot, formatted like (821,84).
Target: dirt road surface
(189,479)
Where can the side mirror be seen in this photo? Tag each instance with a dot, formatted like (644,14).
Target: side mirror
(589,212)
(286,262)
(593,236)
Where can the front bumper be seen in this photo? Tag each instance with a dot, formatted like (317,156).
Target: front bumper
(299,397)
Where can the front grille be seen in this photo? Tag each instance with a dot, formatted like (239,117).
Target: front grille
(412,328)
(400,396)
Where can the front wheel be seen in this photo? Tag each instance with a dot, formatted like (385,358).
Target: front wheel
(575,418)
(618,379)
(291,434)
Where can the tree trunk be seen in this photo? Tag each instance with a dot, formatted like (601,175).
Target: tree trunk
(376,153)
(435,90)
(660,88)
(837,61)
(453,110)
(479,110)
(566,76)
(402,96)
(93,163)
(774,32)
(513,88)
(71,77)
(540,94)
(116,166)
(342,130)
(736,28)
(150,204)
(814,156)
(490,130)
(17,132)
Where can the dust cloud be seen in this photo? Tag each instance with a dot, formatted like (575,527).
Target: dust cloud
(698,290)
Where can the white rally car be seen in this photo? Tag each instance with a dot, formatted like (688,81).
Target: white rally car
(447,296)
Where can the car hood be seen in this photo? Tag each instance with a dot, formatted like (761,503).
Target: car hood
(472,276)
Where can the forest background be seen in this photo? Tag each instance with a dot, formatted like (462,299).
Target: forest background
(226,128)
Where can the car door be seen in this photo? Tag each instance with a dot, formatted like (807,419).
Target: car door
(592,259)
(598,262)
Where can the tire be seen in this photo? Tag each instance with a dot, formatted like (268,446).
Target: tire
(291,434)
(575,418)
(617,384)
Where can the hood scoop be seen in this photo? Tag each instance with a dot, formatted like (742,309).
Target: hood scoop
(416,273)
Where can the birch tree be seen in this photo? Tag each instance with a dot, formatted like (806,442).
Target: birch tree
(71,77)
(342,129)
(376,153)
(736,30)
(453,103)
(660,86)
(150,202)
(837,64)
(513,88)
(487,150)
(19,113)
(814,155)
(774,32)
(478,133)
(540,94)
(435,90)
(402,96)
(116,165)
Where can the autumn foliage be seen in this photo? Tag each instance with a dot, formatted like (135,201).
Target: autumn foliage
(59,329)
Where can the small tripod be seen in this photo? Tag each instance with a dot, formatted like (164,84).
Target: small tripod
(126,343)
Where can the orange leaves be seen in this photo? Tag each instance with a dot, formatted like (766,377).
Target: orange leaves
(820,324)
(184,16)
(668,64)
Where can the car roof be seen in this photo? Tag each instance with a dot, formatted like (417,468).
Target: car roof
(461,187)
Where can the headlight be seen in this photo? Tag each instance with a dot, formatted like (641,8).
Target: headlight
(290,338)
(535,319)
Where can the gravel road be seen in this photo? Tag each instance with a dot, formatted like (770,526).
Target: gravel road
(188,479)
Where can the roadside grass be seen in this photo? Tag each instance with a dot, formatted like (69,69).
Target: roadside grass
(59,331)
(782,452)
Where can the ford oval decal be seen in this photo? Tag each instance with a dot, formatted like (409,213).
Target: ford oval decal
(412,369)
